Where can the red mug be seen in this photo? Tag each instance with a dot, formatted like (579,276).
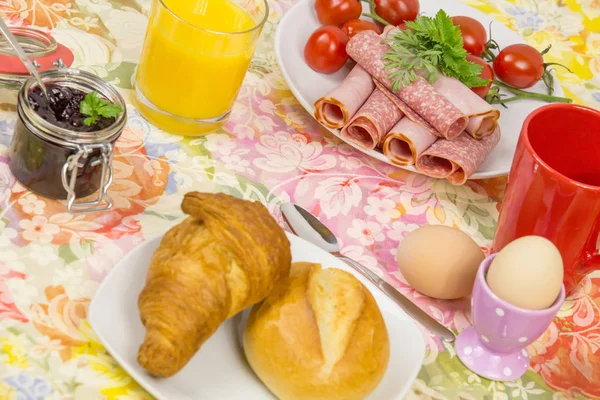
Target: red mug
(554,187)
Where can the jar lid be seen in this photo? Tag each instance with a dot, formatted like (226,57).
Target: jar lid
(39,46)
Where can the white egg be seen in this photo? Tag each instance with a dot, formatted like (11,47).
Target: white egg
(527,273)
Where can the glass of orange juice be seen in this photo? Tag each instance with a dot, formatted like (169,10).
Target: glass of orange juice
(194,59)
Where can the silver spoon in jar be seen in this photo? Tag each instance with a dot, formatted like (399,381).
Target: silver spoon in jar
(12,40)
(305,225)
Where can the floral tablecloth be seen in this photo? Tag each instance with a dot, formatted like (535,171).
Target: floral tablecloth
(51,262)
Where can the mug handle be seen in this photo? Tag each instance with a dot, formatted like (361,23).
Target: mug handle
(591,261)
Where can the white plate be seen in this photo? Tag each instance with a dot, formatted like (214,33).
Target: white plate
(219,370)
(307,85)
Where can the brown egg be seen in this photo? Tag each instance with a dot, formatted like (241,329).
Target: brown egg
(439,261)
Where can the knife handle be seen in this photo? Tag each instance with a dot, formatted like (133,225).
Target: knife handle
(408,306)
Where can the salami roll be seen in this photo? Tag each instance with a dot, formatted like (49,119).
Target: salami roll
(406,141)
(372,121)
(409,112)
(483,118)
(456,159)
(367,49)
(337,107)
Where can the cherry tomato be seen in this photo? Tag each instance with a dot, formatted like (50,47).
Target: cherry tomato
(325,50)
(519,65)
(397,11)
(337,12)
(473,33)
(486,73)
(403,26)
(354,26)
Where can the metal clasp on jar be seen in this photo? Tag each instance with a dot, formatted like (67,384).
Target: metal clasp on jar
(69,177)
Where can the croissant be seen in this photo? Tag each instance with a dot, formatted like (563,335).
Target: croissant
(226,256)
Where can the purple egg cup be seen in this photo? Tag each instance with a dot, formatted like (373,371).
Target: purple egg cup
(495,346)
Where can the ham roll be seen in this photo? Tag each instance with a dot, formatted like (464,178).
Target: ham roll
(337,107)
(367,49)
(483,118)
(372,121)
(483,125)
(456,159)
(406,141)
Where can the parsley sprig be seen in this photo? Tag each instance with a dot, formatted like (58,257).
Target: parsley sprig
(94,107)
(429,46)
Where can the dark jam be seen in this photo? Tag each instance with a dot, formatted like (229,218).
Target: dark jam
(63,110)
(37,163)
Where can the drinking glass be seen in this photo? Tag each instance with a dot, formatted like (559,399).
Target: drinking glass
(194,59)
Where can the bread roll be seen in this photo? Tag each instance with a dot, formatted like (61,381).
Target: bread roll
(318,336)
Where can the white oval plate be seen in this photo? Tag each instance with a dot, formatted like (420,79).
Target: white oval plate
(219,370)
(307,85)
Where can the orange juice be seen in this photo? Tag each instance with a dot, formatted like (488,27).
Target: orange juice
(193,62)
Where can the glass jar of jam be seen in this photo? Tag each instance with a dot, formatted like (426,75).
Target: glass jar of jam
(67,161)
